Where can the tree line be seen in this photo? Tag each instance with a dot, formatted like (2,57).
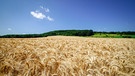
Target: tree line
(52,33)
(120,33)
(68,33)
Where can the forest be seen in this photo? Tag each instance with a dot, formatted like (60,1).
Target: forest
(85,33)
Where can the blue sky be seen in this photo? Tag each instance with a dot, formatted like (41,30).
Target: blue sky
(39,16)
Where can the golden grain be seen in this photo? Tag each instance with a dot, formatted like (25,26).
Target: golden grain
(67,56)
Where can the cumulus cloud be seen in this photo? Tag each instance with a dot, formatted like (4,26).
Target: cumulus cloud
(45,9)
(9,29)
(38,14)
(49,18)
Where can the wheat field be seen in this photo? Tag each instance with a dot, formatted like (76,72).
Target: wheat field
(67,56)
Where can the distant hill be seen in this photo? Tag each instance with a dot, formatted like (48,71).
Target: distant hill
(52,33)
(125,34)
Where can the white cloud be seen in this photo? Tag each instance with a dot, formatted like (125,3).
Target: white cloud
(49,18)
(9,29)
(45,9)
(38,14)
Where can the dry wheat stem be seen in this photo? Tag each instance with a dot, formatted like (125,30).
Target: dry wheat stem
(67,56)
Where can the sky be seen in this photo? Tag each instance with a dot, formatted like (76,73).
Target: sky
(39,16)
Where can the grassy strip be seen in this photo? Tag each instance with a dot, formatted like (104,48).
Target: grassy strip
(113,36)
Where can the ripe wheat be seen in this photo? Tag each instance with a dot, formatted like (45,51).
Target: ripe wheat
(67,56)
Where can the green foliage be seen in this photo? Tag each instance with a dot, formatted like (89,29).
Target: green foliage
(22,36)
(128,34)
(70,33)
(54,33)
